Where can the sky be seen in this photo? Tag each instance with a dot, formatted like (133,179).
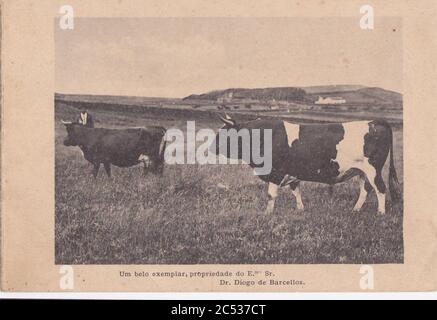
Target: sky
(176,57)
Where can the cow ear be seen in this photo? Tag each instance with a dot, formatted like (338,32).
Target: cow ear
(228,120)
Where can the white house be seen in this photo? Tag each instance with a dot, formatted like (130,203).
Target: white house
(225,98)
(330,100)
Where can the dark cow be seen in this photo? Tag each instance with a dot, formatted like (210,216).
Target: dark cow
(324,153)
(120,147)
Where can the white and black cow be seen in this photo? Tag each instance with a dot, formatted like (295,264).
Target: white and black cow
(325,153)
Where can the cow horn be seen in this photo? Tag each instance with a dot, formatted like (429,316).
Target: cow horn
(66,122)
(227,120)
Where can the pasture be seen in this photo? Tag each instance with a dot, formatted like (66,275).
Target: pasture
(209,214)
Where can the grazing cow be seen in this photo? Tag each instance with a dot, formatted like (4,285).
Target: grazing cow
(120,147)
(324,153)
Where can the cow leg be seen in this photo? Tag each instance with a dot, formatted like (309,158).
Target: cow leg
(365,186)
(145,171)
(363,194)
(375,179)
(146,162)
(96,169)
(380,191)
(273,194)
(295,189)
(107,166)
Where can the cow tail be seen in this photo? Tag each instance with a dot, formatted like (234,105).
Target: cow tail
(393,182)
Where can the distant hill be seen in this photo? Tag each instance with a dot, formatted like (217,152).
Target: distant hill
(363,95)
(382,94)
(353,94)
(279,93)
(332,88)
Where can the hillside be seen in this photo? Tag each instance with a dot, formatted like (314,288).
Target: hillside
(365,95)
(353,94)
(332,88)
(384,95)
(281,93)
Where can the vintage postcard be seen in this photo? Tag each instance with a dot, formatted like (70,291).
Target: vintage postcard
(231,146)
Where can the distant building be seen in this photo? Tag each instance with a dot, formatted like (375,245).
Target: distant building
(330,100)
(226,98)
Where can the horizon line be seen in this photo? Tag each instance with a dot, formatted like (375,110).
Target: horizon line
(229,88)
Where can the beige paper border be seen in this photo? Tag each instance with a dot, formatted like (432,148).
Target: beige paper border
(27,139)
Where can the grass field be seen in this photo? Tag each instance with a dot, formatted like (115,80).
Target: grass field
(209,214)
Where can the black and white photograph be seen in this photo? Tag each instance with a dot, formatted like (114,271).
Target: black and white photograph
(228,140)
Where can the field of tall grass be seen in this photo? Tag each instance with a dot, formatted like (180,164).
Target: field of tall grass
(209,214)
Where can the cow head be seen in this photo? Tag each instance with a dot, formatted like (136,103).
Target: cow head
(71,139)
(226,136)
(248,141)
